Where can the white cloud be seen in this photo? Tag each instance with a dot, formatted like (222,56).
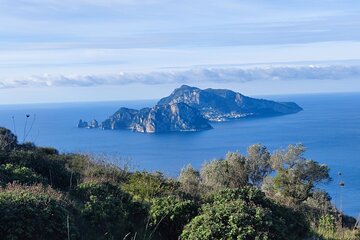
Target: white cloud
(195,75)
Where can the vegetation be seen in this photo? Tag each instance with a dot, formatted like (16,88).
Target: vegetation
(169,215)
(245,213)
(296,176)
(35,212)
(48,195)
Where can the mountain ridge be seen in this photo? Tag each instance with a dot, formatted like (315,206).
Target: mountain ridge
(223,104)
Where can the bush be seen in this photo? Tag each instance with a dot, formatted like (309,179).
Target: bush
(34,212)
(8,141)
(244,214)
(296,176)
(52,166)
(10,173)
(190,180)
(109,213)
(258,164)
(168,216)
(104,197)
(225,173)
(146,186)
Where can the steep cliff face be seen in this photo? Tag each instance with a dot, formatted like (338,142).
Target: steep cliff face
(222,104)
(161,118)
(122,119)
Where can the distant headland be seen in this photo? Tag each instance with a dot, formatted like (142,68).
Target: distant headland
(192,109)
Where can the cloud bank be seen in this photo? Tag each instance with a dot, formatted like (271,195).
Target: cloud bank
(192,76)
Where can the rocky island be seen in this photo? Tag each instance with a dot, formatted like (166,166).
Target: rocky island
(192,109)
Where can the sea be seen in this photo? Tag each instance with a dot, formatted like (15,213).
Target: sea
(329,127)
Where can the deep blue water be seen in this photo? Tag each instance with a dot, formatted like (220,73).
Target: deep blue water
(329,127)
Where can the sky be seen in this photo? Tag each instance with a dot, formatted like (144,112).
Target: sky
(98,50)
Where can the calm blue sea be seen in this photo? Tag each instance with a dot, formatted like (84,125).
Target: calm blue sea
(329,127)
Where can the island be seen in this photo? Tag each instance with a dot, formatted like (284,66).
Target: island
(192,109)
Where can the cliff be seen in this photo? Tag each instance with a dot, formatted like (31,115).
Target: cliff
(160,118)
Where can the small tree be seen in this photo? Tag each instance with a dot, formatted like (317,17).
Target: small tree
(258,164)
(316,206)
(190,181)
(297,176)
(225,173)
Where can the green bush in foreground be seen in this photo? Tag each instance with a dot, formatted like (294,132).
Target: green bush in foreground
(84,197)
(109,213)
(34,212)
(244,214)
(10,173)
(51,166)
(169,215)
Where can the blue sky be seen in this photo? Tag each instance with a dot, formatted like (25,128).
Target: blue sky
(81,50)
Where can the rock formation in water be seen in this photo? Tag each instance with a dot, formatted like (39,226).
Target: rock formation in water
(84,124)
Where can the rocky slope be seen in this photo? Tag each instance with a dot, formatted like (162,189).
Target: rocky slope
(223,104)
(173,117)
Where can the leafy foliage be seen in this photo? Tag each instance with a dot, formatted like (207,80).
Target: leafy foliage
(168,216)
(86,196)
(327,230)
(108,211)
(257,164)
(243,214)
(296,176)
(50,166)
(34,212)
(225,173)
(190,181)
(146,186)
(10,173)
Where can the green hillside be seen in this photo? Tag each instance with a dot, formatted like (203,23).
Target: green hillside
(45,194)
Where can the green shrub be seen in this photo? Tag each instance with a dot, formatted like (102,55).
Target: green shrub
(327,225)
(146,186)
(108,211)
(34,212)
(168,216)
(225,173)
(10,173)
(87,168)
(244,214)
(190,182)
(50,166)
(8,141)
